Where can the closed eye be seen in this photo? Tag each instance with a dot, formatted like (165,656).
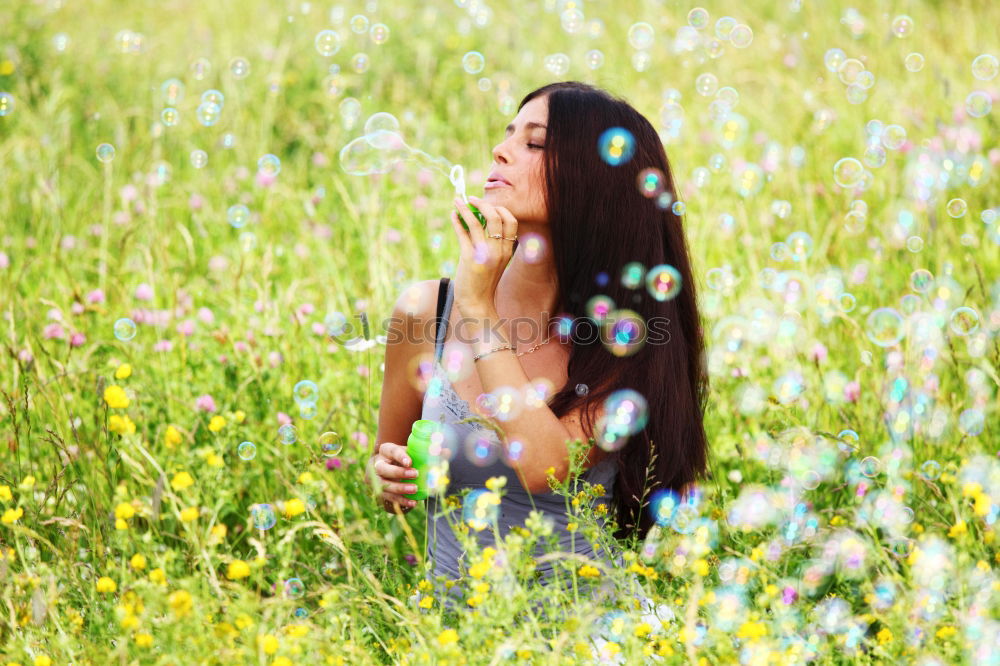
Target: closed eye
(532,145)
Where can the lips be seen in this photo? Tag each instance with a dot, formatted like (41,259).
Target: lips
(495,177)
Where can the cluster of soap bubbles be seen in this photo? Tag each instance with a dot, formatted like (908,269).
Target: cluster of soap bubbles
(210,109)
(625,414)
(306,394)
(851,72)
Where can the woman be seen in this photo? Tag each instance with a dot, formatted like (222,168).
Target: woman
(592,216)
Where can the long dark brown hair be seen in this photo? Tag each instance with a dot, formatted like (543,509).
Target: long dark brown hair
(600,221)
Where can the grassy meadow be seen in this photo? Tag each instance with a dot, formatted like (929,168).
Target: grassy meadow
(193,288)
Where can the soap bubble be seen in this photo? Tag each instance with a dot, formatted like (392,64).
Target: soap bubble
(893,137)
(978,104)
(594,58)
(870,466)
(985,67)
(124,329)
(306,392)
(208,113)
(848,172)
(749,179)
(473,62)
(663,282)
(698,18)
(800,245)
(972,421)
(359,24)
(931,470)
(480,508)
(741,36)
(624,332)
(6,103)
(170,116)
(330,444)
(678,208)
(383,122)
(616,145)
(834,58)
(724,26)
(287,434)
(239,67)
(625,415)
(706,84)
(238,215)
(874,156)
(327,43)
(885,327)
(374,153)
(199,158)
(269,165)
(246,450)
(651,182)
(964,321)
(902,26)
(849,70)
(557,64)
(914,62)
(200,69)
(640,35)
(379,34)
(294,588)
(263,516)
(213,96)
(956,208)
(105,152)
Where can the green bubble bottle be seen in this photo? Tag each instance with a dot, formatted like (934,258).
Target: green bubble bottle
(457,177)
(418,446)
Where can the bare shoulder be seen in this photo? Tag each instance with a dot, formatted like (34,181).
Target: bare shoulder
(418,301)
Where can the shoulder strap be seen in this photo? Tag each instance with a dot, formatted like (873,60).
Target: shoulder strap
(442,294)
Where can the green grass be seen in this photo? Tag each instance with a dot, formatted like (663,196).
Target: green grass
(888,561)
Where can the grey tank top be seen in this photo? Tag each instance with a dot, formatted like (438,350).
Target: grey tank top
(442,404)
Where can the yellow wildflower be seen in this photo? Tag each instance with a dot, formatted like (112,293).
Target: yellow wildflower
(957,529)
(495,483)
(642,629)
(571,527)
(217,423)
(447,637)
(588,571)
(297,630)
(751,630)
(124,371)
(11,516)
(946,632)
(181,481)
(138,561)
(189,514)
(172,437)
(120,524)
(115,396)
(238,569)
(121,424)
(305,477)
(700,567)
(971,489)
(268,643)
(219,531)
(983,504)
(42,660)
(158,576)
(143,640)
(27,483)
(105,584)
(294,507)
(180,602)
(124,510)
(215,460)
(426,602)
(239,416)
(281,661)
(884,636)
(5,494)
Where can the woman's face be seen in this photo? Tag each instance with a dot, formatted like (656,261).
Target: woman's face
(519,159)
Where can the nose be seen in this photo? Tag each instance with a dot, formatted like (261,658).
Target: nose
(500,153)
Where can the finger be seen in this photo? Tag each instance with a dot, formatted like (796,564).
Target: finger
(394,453)
(476,230)
(494,223)
(391,501)
(464,242)
(509,222)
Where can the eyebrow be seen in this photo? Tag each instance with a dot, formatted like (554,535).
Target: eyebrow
(528,125)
